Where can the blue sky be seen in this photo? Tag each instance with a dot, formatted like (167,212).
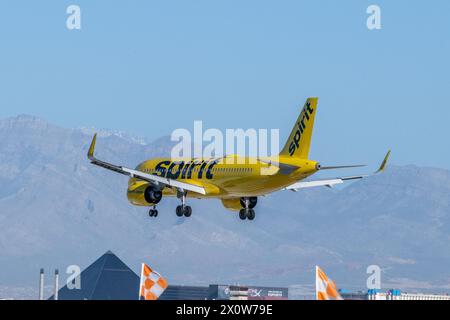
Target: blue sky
(149,67)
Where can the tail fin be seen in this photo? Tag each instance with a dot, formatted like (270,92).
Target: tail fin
(300,138)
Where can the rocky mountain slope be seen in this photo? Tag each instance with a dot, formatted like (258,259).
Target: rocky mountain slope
(57,210)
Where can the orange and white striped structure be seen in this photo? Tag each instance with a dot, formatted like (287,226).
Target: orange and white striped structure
(325,288)
(152,284)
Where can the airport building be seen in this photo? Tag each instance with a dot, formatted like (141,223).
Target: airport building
(224,292)
(109,278)
(393,294)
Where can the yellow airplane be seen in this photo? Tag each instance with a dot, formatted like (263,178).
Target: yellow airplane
(236,181)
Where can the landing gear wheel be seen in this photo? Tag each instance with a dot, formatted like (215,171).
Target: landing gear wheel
(250,214)
(242,214)
(183,210)
(179,211)
(153,213)
(187,211)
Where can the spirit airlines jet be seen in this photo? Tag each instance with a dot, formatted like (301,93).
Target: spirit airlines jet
(236,181)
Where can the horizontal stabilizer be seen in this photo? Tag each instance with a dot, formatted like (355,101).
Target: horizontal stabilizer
(342,167)
(333,181)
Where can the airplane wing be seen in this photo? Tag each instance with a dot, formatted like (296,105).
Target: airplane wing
(182,186)
(331,182)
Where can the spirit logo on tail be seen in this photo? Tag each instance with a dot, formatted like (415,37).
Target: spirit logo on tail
(307,112)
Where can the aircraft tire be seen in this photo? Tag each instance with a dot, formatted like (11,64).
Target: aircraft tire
(250,214)
(242,214)
(179,211)
(187,211)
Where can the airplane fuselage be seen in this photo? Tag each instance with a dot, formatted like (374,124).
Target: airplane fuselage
(227,177)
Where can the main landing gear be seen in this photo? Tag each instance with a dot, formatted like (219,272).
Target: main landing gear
(247,212)
(183,209)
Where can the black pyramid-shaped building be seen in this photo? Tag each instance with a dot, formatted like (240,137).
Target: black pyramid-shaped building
(108,278)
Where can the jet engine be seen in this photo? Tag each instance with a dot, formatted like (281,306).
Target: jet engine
(152,195)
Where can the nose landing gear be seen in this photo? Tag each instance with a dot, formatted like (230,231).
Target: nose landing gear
(153,212)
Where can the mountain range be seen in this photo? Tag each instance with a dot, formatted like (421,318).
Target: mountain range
(58,210)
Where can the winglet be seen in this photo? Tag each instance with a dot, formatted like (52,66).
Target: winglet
(90,154)
(383,164)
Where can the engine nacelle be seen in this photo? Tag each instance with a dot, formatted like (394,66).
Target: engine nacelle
(233,204)
(236,204)
(152,195)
